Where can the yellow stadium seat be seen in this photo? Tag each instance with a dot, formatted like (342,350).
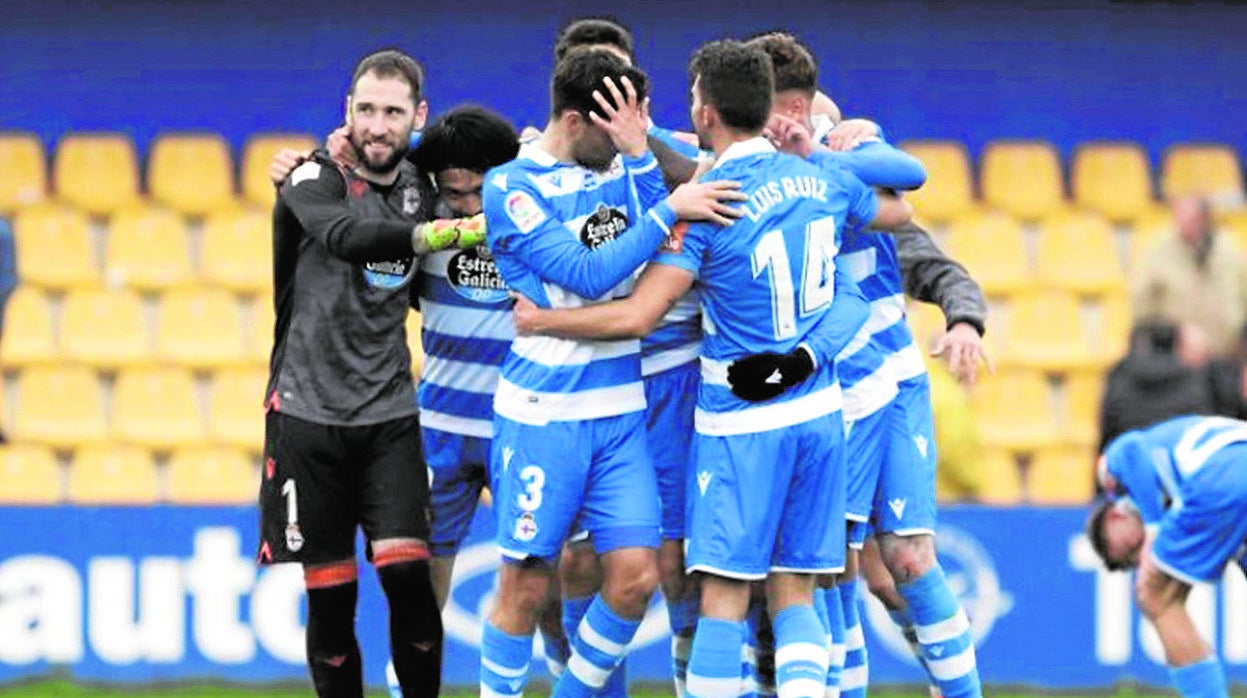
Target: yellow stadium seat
(257,155)
(1081,392)
(1112,179)
(237,252)
(105,329)
(415,343)
(1022,178)
(949,189)
(30,475)
(200,328)
(113,474)
(1145,231)
(1235,225)
(1077,252)
(148,249)
(27,339)
(157,408)
(97,172)
(1045,331)
(236,408)
(1210,170)
(191,173)
(24,175)
(993,250)
(60,406)
(1001,481)
(263,324)
(1116,317)
(54,248)
(1061,475)
(926,322)
(211,476)
(1014,410)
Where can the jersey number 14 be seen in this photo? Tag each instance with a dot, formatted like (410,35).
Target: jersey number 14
(817,274)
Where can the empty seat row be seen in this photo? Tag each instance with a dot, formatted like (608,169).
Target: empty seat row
(124,474)
(1053,475)
(145,248)
(99,172)
(1025,179)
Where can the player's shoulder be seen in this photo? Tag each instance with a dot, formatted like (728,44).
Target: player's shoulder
(319,174)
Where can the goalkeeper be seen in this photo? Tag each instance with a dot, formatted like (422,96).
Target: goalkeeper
(342,441)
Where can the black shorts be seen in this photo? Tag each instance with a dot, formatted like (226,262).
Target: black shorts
(319,482)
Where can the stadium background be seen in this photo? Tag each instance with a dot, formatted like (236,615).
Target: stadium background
(134,344)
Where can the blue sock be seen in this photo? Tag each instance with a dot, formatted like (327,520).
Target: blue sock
(759,647)
(504,663)
(835,644)
(800,653)
(573,612)
(943,632)
(856,672)
(598,646)
(714,664)
(1204,679)
(557,651)
(683,618)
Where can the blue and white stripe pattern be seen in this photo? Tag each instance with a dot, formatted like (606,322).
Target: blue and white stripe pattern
(467,332)
(801,654)
(504,663)
(677,339)
(599,645)
(943,632)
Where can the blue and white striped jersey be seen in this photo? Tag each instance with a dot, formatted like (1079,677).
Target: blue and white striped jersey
(467,331)
(566,236)
(1153,464)
(768,280)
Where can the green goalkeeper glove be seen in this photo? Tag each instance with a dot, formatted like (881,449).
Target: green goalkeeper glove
(442,234)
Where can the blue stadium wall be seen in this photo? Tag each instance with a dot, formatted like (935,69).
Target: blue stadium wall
(1155,73)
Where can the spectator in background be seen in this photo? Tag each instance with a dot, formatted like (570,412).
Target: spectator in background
(1196,276)
(1164,375)
(1228,378)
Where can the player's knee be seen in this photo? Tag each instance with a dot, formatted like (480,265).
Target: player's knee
(629,591)
(883,588)
(907,557)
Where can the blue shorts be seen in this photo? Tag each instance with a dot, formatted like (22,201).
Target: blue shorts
(766,502)
(866,442)
(458,470)
(671,397)
(905,498)
(596,473)
(1197,539)
(859,531)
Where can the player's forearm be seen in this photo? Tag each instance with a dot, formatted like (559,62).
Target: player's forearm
(360,240)
(878,165)
(931,276)
(648,178)
(604,321)
(677,168)
(837,327)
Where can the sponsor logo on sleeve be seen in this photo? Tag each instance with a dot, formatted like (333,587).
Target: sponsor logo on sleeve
(302,173)
(523,211)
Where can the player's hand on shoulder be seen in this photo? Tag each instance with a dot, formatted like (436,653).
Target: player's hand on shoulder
(962,347)
(764,376)
(850,133)
(707,201)
(789,136)
(627,120)
(525,315)
(340,149)
(284,162)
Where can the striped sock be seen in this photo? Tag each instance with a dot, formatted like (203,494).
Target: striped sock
(683,618)
(836,639)
(854,677)
(598,646)
(943,631)
(714,663)
(1205,679)
(800,653)
(573,612)
(504,663)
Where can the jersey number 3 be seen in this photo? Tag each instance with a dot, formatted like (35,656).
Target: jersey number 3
(817,273)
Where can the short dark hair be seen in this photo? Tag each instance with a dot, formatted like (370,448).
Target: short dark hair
(468,137)
(737,80)
(581,72)
(794,64)
(389,63)
(1099,541)
(589,31)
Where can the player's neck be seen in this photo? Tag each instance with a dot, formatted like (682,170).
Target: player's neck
(385,179)
(556,143)
(723,138)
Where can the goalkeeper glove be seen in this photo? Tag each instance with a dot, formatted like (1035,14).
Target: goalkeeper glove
(445,233)
(763,376)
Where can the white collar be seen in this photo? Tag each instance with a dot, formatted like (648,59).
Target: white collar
(537,154)
(741,149)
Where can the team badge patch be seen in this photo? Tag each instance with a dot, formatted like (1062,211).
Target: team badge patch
(294,538)
(411,201)
(523,211)
(525,527)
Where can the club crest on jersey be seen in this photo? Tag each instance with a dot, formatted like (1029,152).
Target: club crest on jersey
(602,226)
(411,201)
(391,274)
(294,538)
(473,275)
(674,243)
(525,527)
(523,211)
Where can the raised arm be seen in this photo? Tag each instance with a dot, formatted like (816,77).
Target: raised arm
(659,287)
(878,164)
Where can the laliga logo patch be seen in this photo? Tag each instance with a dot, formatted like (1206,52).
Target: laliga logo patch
(294,538)
(473,275)
(675,241)
(604,225)
(523,211)
(972,578)
(411,201)
(389,274)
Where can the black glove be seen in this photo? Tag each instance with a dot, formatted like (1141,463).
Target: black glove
(763,376)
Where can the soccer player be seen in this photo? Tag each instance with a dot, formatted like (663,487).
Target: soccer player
(342,444)
(571,219)
(751,301)
(1178,512)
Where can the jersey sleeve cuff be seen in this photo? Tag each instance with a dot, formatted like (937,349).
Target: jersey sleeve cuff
(810,352)
(975,322)
(662,213)
(641,165)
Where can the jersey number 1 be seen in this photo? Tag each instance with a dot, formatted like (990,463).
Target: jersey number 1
(817,273)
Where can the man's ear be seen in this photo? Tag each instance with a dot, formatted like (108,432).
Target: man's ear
(349,119)
(422,115)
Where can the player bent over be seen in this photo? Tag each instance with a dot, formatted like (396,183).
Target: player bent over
(1177,511)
